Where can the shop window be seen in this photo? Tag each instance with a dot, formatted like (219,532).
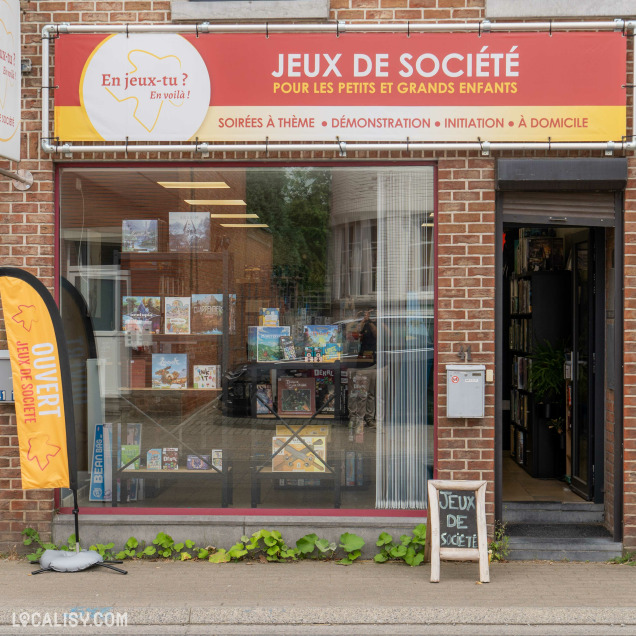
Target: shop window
(264,336)
(238,10)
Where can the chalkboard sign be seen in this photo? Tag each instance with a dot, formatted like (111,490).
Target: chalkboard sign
(457,518)
(456,525)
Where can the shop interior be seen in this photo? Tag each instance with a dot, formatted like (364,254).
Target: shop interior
(259,334)
(556,332)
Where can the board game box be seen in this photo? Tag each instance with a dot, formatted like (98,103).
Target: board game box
(170,370)
(141,314)
(325,341)
(206,376)
(153,459)
(139,235)
(170,459)
(296,457)
(189,231)
(207,314)
(177,314)
(296,397)
(194,462)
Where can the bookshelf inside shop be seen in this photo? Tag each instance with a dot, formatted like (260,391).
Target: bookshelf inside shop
(538,310)
(225,355)
(295,385)
(178,331)
(177,320)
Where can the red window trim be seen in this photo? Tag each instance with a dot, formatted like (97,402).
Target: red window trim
(257,512)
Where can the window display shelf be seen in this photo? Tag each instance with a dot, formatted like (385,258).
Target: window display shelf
(150,388)
(145,472)
(319,416)
(266,473)
(175,254)
(225,476)
(299,363)
(274,369)
(173,335)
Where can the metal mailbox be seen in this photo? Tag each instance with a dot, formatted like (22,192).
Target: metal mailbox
(465,390)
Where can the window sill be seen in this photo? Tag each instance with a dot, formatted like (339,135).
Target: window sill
(559,9)
(248,10)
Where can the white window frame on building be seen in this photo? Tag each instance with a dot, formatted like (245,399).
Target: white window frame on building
(497,9)
(250,9)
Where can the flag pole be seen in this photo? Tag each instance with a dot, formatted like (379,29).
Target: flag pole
(76,515)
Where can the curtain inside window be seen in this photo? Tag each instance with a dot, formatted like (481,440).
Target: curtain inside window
(405,338)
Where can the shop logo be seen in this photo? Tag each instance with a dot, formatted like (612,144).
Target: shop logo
(26,316)
(146,87)
(40,450)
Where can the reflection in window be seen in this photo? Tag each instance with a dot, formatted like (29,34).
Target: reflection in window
(264,335)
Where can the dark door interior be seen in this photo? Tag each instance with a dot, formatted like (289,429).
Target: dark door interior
(569,293)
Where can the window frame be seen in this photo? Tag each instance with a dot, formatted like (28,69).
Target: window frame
(256,512)
(249,10)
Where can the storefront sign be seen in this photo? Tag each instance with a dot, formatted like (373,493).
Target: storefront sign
(358,87)
(41,381)
(456,526)
(10,79)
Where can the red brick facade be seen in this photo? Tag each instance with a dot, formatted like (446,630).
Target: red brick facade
(466,309)
(629,359)
(465,248)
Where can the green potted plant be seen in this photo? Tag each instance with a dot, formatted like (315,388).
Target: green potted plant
(547,382)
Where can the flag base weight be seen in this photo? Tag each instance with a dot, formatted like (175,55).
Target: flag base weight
(67,561)
(80,560)
(102,564)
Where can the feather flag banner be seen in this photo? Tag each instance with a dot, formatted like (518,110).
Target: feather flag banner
(41,381)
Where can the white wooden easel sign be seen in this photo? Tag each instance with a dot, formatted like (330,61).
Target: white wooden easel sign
(456,525)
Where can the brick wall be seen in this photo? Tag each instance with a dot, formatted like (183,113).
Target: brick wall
(27,230)
(403,10)
(27,225)
(466,310)
(466,284)
(629,348)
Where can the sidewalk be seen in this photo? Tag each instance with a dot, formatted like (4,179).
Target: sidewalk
(325,598)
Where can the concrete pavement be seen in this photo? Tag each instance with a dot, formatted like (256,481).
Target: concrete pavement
(325,598)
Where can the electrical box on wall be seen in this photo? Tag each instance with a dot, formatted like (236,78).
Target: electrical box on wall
(465,390)
(6,381)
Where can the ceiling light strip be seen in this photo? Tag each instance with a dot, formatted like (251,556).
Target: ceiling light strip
(215,202)
(193,184)
(244,225)
(233,216)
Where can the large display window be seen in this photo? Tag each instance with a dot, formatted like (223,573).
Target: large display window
(263,336)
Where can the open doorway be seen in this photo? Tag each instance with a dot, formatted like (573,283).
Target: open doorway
(553,372)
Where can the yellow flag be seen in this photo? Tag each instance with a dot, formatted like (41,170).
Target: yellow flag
(41,380)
